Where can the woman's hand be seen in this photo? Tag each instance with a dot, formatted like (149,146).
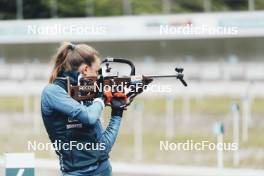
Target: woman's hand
(118,103)
(119,100)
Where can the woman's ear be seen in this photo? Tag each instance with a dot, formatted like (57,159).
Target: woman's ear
(85,70)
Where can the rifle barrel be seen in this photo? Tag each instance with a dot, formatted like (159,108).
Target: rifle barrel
(178,76)
(162,76)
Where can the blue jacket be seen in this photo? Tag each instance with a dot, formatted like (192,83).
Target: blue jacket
(67,121)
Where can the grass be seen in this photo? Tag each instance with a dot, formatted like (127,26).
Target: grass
(123,149)
(15,139)
(14,104)
(201,105)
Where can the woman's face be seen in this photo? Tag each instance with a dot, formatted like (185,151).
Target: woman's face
(92,70)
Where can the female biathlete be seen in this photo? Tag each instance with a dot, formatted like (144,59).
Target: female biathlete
(74,128)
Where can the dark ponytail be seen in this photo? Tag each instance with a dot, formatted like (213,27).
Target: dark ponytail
(69,57)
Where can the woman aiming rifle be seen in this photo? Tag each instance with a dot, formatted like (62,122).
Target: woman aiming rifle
(83,143)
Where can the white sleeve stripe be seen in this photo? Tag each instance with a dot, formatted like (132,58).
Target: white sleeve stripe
(100,101)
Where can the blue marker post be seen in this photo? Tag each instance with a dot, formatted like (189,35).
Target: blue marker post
(219,131)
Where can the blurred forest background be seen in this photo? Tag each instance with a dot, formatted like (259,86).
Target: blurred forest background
(32,9)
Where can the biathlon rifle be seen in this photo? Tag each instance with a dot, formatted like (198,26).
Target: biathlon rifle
(89,87)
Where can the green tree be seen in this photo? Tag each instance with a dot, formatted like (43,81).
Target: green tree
(7,9)
(146,6)
(108,7)
(33,9)
(182,6)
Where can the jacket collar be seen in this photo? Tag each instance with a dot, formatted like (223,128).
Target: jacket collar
(73,76)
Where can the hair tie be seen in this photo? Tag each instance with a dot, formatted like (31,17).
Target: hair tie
(71,46)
